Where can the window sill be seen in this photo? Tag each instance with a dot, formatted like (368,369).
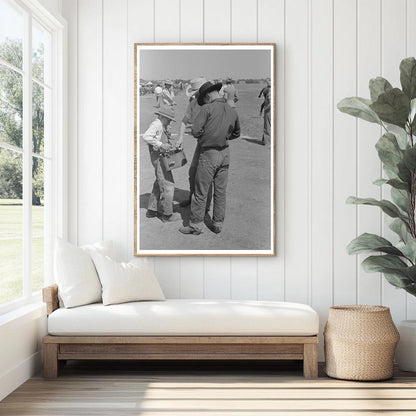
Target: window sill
(21,302)
(35,307)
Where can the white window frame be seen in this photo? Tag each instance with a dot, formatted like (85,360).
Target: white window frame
(58,211)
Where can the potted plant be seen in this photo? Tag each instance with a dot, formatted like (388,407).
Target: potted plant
(394,109)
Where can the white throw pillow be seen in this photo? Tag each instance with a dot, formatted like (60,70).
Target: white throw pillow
(126,282)
(103,247)
(75,273)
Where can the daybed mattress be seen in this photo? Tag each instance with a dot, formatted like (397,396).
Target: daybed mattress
(186,317)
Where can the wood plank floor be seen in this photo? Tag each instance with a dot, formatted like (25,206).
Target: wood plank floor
(206,388)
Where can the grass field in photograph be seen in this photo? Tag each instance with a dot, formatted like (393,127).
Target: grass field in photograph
(11,249)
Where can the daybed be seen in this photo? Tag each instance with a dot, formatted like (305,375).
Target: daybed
(181,329)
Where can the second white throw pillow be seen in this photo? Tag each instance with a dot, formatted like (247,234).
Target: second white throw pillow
(126,282)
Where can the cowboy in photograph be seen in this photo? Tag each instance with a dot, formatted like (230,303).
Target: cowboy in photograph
(157,137)
(267,114)
(264,93)
(214,126)
(192,110)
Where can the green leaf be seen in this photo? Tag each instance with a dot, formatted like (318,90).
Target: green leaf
(397,280)
(396,271)
(411,289)
(366,243)
(398,184)
(402,139)
(410,158)
(400,198)
(381,263)
(389,151)
(412,116)
(392,107)
(408,249)
(359,107)
(380,182)
(395,183)
(410,272)
(400,228)
(378,86)
(412,109)
(390,173)
(408,77)
(404,173)
(389,208)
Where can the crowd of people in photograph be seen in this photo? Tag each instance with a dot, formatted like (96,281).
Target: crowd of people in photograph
(212,118)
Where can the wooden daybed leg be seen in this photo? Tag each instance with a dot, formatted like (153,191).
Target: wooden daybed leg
(50,360)
(310,360)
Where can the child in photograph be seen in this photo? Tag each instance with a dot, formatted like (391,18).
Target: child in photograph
(157,137)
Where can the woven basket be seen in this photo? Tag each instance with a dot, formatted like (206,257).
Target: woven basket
(360,341)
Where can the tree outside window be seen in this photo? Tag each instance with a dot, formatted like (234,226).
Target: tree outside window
(24,61)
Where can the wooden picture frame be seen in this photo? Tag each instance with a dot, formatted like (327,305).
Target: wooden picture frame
(247,178)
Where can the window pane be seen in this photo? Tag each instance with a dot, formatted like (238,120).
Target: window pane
(11,226)
(11,106)
(38,118)
(41,46)
(11,34)
(38,229)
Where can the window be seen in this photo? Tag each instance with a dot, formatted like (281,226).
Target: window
(31,141)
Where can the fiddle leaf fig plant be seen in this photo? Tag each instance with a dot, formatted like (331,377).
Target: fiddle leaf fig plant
(394,109)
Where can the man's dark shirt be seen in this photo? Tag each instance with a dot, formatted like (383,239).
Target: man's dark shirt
(216,123)
(192,111)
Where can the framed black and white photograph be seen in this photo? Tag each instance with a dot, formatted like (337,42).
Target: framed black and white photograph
(205,150)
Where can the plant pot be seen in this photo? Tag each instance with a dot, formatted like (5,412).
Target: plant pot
(360,341)
(406,350)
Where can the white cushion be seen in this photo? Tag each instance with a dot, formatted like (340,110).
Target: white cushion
(126,282)
(187,317)
(75,273)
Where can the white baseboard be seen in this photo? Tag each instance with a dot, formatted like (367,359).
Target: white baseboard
(10,380)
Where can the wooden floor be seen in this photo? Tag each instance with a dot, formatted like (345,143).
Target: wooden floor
(222,389)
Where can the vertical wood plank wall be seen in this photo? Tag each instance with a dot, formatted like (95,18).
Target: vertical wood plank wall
(393,46)
(326,50)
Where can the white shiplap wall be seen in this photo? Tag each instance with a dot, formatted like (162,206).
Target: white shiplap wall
(326,50)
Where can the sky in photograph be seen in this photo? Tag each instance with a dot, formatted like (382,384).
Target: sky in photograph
(211,64)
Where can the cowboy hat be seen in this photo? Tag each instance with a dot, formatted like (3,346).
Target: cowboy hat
(166,112)
(168,82)
(194,85)
(207,88)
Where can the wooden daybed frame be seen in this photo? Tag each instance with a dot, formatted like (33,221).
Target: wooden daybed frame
(58,349)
